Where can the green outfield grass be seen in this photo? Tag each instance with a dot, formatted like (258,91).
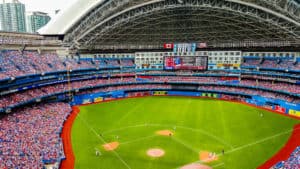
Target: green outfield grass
(200,125)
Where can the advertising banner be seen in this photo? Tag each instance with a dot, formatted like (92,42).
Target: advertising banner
(98,99)
(160,93)
(279,109)
(294,113)
(86,101)
(109,98)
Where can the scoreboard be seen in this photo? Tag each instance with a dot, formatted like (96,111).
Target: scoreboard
(185,62)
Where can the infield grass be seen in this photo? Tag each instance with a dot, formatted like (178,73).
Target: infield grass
(199,125)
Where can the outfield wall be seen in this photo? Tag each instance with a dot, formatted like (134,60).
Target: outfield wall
(279,106)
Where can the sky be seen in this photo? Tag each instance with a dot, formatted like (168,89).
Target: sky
(48,6)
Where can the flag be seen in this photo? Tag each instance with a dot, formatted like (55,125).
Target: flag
(168,45)
(194,46)
(202,45)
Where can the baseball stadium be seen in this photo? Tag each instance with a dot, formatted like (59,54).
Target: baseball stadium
(154,84)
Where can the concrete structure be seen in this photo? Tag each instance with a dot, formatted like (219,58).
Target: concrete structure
(35,20)
(12,16)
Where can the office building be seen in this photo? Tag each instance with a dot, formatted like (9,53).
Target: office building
(35,20)
(12,16)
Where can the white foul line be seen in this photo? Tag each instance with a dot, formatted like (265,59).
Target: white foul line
(139,139)
(256,142)
(260,141)
(184,144)
(100,138)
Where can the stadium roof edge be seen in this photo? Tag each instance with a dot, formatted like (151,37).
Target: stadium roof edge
(65,19)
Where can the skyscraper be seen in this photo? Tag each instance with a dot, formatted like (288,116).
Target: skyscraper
(12,16)
(36,20)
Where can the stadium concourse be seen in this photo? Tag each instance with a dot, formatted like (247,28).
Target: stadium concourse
(238,50)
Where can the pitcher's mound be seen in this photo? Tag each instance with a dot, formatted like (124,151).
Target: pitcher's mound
(111,146)
(196,166)
(156,152)
(165,133)
(207,157)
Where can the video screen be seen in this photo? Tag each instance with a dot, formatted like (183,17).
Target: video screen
(185,63)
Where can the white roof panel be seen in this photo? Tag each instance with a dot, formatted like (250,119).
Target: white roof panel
(66,18)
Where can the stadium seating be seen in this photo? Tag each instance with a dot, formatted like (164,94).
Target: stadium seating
(40,142)
(19,97)
(271,64)
(292,88)
(30,136)
(292,163)
(15,63)
(127,62)
(251,62)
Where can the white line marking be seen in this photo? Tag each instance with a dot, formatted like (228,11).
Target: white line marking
(101,139)
(218,165)
(208,134)
(185,145)
(123,128)
(171,126)
(256,142)
(260,141)
(139,139)
(129,112)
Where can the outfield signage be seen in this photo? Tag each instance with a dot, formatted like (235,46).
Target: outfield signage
(294,113)
(160,93)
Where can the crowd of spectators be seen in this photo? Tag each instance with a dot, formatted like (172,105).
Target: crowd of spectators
(275,64)
(30,137)
(233,98)
(15,98)
(293,162)
(290,63)
(248,92)
(292,88)
(16,63)
(27,95)
(251,62)
(201,87)
(127,62)
(112,62)
(272,64)
(277,86)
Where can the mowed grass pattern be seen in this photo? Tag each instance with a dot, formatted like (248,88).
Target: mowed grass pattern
(199,125)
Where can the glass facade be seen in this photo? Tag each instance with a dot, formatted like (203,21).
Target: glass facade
(12,16)
(36,20)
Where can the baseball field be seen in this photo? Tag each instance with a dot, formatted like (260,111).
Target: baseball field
(176,133)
